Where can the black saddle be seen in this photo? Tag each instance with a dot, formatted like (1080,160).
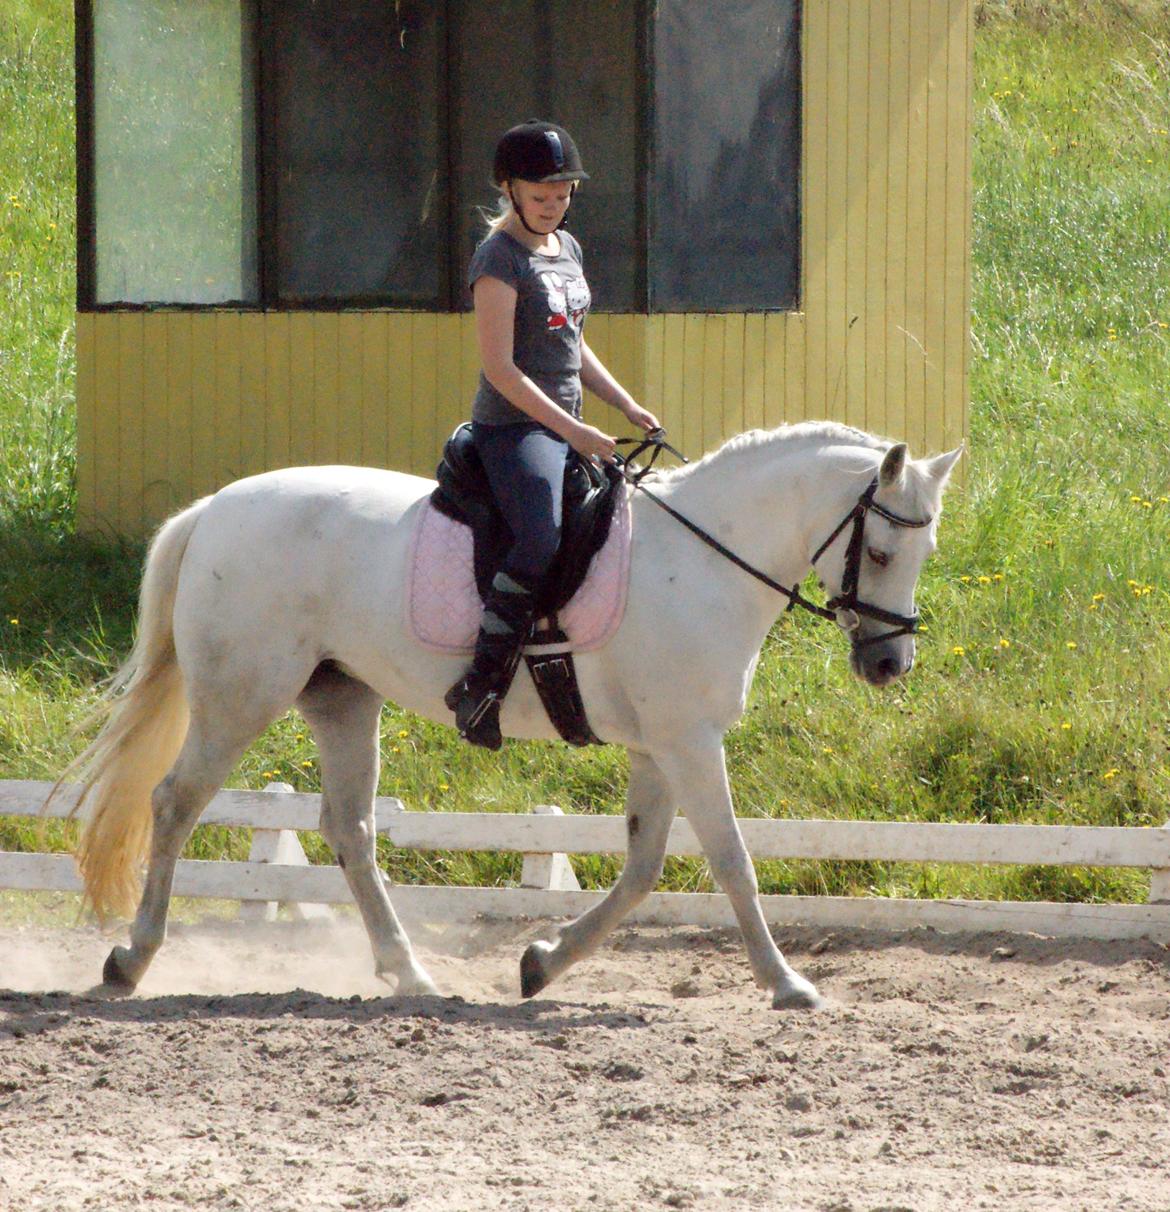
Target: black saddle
(590,496)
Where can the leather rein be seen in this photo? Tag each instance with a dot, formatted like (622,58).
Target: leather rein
(847,601)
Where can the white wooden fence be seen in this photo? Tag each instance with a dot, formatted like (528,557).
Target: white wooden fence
(277,871)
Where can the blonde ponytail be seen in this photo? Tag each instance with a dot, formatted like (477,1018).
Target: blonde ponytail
(503,213)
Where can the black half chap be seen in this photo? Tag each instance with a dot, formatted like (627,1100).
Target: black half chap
(525,465)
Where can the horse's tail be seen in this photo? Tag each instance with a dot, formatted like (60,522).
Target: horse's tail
(145,715)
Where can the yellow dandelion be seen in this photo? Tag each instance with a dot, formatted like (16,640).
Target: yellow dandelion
(1098,597)
(1066,726)
(403,733)
(998,576)
(827,749)
(923,626)
(958,650)
(984,580)
(14,622)
(1004,642)
(965,580)
(1070,644)
(307,762)
(444,787)
(1109,775)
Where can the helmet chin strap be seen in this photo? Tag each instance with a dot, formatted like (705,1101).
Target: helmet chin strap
(527,226)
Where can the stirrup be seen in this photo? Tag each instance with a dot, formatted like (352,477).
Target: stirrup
(478,719)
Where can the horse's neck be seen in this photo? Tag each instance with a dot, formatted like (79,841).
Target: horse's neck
(773,504)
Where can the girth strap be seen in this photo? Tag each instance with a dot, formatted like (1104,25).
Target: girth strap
(554,674)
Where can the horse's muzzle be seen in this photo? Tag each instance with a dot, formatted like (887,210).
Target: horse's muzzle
(882,663)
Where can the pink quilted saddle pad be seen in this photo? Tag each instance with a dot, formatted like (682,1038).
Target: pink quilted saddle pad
(444,605)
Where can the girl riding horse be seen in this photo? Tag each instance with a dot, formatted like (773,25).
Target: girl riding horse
(531,299)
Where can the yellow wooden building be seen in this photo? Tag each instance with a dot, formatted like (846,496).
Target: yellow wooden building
(202,358)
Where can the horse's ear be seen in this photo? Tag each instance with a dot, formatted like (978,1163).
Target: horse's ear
(893,465)
(939,468)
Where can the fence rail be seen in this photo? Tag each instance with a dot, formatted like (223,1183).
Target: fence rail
(277,870)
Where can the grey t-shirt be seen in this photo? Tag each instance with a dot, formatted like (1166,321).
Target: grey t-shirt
(552,298)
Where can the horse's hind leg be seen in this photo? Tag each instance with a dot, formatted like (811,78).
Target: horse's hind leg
(649,813)
(204,762)
(343,714)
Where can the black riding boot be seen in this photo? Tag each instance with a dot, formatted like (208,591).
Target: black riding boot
(476,697)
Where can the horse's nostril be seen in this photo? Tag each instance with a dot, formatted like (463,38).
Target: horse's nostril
(889,667)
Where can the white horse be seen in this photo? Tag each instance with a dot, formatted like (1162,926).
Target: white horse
(288,588)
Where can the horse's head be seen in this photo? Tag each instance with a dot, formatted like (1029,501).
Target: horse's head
(874,559)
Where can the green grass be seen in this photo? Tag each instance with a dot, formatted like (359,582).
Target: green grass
(1042,691)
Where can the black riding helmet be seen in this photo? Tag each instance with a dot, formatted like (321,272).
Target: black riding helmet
(537,151)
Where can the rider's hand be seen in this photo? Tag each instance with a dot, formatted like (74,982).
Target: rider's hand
(591,443)
(641,417)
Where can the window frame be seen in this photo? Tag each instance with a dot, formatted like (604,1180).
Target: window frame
(451,296)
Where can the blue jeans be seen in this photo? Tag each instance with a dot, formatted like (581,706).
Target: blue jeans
(525,466)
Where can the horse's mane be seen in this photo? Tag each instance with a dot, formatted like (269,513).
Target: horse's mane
(803,434)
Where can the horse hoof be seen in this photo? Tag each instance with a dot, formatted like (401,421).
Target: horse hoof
(115,983)
(797,994)
(421,986)
(532,977)
(417,985)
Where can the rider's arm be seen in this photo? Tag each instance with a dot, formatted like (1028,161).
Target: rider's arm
(495,316)
(598,380)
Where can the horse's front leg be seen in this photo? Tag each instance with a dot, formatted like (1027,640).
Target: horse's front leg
(649,813)
(697,774)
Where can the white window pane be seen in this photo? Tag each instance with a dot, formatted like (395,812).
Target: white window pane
(174,193)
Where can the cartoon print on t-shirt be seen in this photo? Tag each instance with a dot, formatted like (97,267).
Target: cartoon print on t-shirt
(558,311)
(577,297)
(567,300)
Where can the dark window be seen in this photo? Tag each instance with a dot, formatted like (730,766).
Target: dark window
(576,63)
(332,153)
(725,205)
(356,165)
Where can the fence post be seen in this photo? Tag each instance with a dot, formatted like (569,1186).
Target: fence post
(550,871)
(279,846)
(1160,881)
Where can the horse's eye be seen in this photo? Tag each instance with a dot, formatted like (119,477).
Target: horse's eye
(880,558)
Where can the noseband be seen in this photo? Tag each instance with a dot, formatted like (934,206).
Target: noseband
(846,602)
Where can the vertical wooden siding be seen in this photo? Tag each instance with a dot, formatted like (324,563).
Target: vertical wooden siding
(172,405)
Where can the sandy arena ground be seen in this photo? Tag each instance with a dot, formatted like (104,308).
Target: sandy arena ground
(264,1068)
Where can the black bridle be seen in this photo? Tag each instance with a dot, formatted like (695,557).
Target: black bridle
(847,601)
